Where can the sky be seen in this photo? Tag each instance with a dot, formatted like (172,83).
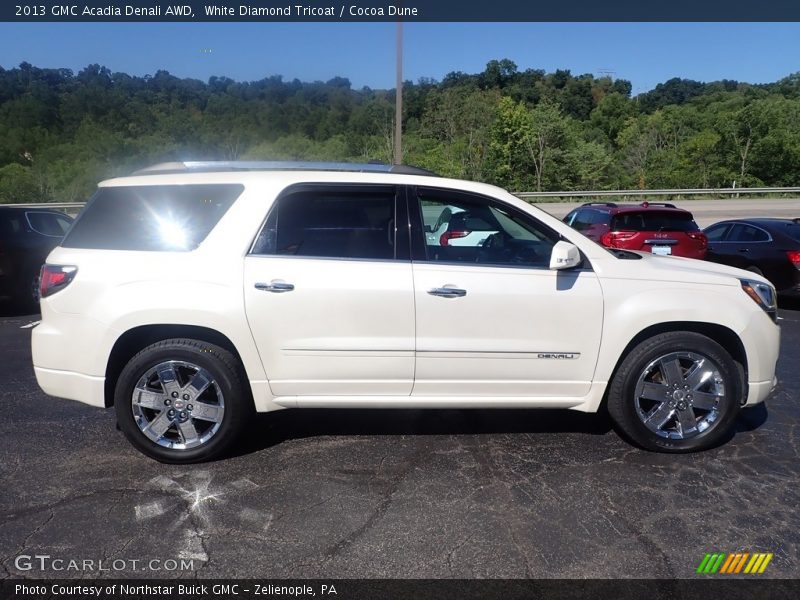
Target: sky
(644,53)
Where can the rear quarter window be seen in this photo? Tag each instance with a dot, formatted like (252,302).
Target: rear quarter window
(173,218)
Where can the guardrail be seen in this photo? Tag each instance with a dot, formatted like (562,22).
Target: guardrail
(74,207)
(680,193)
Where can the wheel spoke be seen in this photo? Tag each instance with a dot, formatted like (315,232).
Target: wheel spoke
(698,374)
(207,412)
(654,391)
(672,371)
(169,378)
(659,416)
(704,400)
(149,399)
(198,384)
(687,420)
(188,431)
(158,426)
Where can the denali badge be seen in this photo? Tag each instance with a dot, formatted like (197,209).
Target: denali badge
(559,355)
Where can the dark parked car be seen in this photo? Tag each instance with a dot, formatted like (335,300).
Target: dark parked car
(769,247)
(654,227)
(26,238)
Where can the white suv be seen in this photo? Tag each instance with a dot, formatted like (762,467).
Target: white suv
(191,294)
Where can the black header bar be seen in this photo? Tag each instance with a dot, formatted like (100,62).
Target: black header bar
(699,588)
(392,10)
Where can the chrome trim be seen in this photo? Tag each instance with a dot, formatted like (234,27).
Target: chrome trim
(448,292)
(276,287)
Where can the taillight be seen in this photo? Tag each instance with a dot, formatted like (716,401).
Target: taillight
(700,237)
(54,278)
(612,239)
(451,235)
(794,258)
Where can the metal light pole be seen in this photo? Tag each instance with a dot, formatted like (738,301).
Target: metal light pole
(398,101)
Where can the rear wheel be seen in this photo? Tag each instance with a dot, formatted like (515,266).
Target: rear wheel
(182,401)
(26,292)
(755,270)
(676,392)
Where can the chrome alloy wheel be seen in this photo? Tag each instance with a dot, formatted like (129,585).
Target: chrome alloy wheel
(679,395)
(178,405)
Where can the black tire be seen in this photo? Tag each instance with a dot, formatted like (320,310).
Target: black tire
(26,293)
(636,417)
(756,270)
(226,399)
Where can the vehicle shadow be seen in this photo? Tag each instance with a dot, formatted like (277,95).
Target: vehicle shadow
(752,418)
(10,309)
(789,303)
(273,428)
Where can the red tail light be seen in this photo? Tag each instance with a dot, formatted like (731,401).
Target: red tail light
(699,236)
(451,235)
(613,239)
(794,258)
(54,278)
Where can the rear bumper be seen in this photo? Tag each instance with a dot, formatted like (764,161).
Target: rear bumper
(72,386)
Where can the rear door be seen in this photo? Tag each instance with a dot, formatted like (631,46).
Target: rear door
(492,319)
(329,293)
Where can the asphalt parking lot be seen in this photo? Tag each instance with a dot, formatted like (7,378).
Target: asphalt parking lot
(399,494)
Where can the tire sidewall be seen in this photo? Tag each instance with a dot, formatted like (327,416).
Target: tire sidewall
(622,405)
(203,356)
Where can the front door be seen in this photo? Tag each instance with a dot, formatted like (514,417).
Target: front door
(492,319)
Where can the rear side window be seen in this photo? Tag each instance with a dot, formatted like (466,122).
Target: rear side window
(48,223)
(584,219)
(793,231)
(151,217)
(747,233)
(653,220)
(331,224)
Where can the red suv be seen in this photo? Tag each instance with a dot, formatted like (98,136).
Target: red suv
(648,227)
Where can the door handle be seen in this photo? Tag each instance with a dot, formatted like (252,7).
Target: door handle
(277,287)
(447,292)
(744,249)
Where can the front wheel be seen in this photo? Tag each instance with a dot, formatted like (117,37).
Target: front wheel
(676,392)
(182,401)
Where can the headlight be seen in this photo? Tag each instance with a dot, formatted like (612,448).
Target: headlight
(762,294)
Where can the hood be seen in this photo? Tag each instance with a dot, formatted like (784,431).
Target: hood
(677,269)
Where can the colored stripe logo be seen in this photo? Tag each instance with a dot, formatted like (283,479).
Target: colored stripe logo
(736,563)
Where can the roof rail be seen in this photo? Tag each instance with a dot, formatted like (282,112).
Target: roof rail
(611,204)
(664,204)
(278,165)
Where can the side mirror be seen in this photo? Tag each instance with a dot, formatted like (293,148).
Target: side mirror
(564,256)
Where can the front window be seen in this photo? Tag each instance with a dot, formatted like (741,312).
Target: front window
(464,228)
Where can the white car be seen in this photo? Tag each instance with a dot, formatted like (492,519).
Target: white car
(190,295)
